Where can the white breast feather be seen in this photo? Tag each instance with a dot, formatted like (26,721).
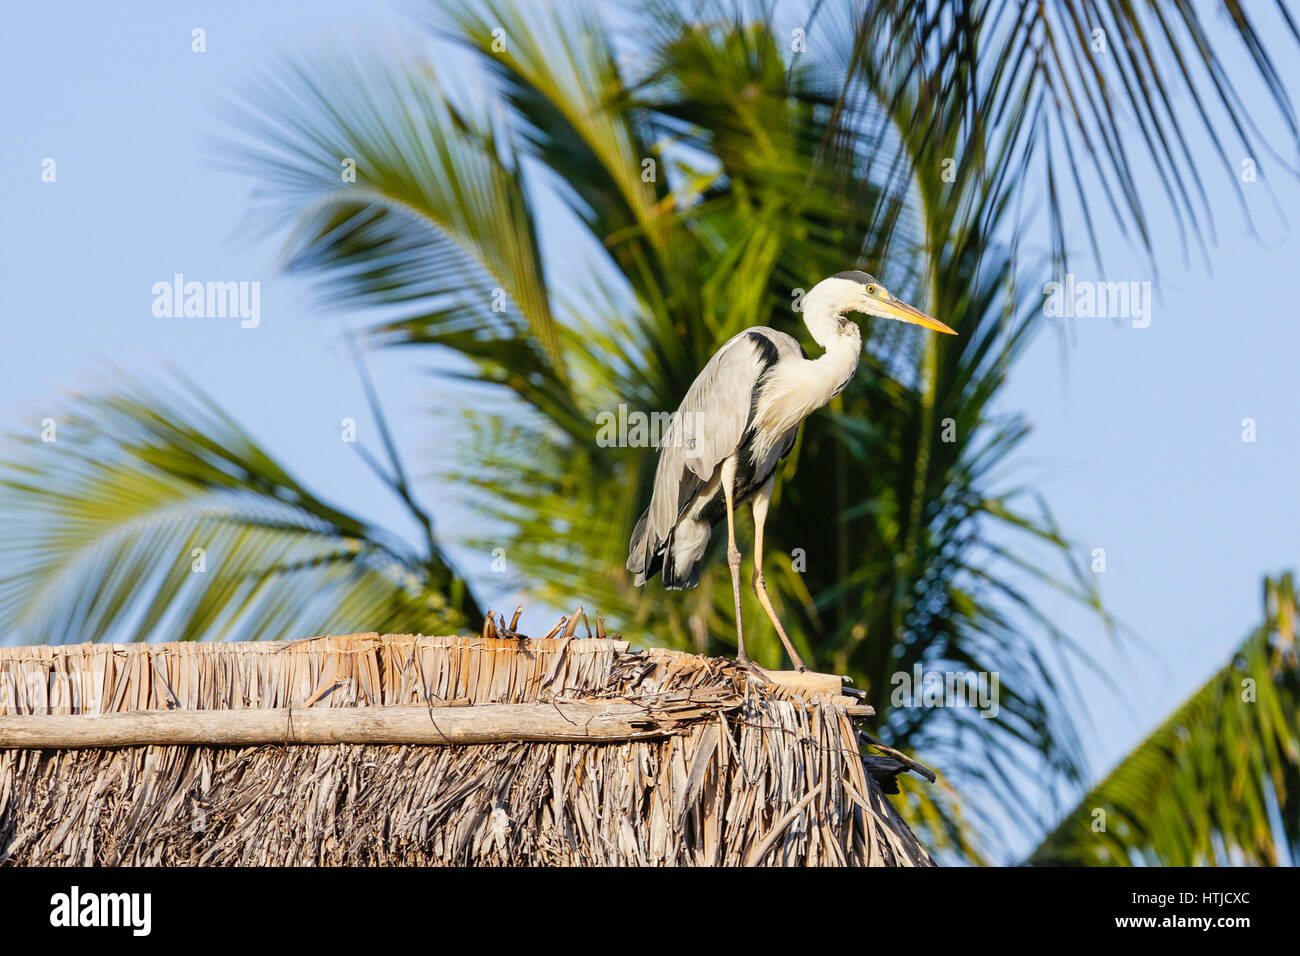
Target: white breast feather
(797,387)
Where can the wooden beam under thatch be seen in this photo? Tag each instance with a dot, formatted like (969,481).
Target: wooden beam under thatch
(351,750)
(581,721)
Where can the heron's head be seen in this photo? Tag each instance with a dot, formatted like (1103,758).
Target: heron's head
(859,292)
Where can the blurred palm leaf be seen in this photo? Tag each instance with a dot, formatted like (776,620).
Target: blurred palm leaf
(1217,783)
(136,523)
(436,227)
(1098,93)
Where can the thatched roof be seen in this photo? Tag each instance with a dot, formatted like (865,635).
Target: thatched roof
(675,760)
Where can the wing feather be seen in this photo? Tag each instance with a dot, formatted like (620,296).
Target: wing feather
(707,427)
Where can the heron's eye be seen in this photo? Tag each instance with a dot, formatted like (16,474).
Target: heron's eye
(871,290)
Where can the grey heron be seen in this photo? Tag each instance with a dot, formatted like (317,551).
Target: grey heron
(738,420)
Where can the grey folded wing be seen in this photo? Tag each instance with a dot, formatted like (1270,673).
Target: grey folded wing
(709,425)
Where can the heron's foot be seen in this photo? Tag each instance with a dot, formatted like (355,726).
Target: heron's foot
(759,674)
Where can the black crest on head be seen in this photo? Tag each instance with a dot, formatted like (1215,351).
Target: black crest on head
(855,275)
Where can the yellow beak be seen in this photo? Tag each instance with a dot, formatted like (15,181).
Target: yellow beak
(898,309)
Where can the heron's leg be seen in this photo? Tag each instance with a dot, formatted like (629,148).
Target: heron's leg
(733,560)
(762,498)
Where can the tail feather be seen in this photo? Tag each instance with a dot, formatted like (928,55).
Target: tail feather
(680,557)
(639,561)
(685,555)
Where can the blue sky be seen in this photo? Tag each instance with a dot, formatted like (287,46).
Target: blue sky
(1137,442)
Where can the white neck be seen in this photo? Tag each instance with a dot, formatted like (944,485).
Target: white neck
(841,338)
(827,373)
(799,387)
(822,318)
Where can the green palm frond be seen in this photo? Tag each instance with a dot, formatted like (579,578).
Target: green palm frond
(558,74)
(1218,783)
(1097,94)
(152,513)
(402,201)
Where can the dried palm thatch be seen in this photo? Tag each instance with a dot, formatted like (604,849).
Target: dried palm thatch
(649,757)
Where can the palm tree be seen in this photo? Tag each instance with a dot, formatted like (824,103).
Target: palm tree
(712,163)
(1216,783)
(125,522)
